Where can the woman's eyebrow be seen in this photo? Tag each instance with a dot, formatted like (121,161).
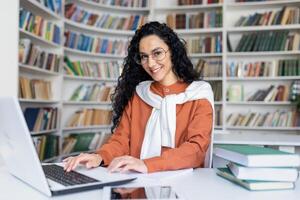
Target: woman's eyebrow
(156,48)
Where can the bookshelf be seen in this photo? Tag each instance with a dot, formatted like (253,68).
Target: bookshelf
(225,134)
(104,59)
(40,47)
(63,84)
(281,136)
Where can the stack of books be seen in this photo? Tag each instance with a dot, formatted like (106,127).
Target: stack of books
(258,168)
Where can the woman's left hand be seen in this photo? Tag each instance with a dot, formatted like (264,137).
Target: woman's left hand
(127,163)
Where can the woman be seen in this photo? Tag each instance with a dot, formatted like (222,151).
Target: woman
(163,116)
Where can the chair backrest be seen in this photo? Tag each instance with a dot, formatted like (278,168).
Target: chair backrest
(209,152)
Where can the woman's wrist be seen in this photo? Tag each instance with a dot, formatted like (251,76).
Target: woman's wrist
(99,158)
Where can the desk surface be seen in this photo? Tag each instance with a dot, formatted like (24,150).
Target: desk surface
(201,183)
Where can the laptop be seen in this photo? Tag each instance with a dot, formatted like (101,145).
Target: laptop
(21,159)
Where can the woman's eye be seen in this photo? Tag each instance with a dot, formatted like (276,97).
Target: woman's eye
(157,53)
(144,57)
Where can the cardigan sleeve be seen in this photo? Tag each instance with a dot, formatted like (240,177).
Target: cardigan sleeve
(118,144)
(191,153)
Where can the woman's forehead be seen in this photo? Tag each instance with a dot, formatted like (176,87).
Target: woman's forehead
(150,43)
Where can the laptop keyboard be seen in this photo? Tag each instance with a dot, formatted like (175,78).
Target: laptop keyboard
(57,174)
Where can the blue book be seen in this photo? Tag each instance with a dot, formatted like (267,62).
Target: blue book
(30,115)
(104,46)
(80,41)
(50,5)
(135,22)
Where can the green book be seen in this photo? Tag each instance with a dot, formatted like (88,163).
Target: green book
(241,43)
(253,184)
(70,65)
(254,156)
(83,142)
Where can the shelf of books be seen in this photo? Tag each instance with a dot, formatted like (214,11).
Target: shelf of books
(40,60)
(262,71)
(96,39)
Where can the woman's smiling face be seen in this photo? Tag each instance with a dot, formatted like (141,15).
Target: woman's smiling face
(155,57)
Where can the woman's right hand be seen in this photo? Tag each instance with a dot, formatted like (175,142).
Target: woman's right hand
(89,160)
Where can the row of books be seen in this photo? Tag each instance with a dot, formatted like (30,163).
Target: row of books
(209,67)
(197,2)
(34,55)
(92,44)
(240,1)
(287,15)
(207,44)
(217,89)
(218,116)
(258,168)
(90,117)
(34,89)
(82,142)
(53,5)
(46,146)
(271,94)
(123,3)
(103,20)
(97,92)
(282,67)
(107,69)
(41,119)
(279,118)
(207,19)
(235,92)
(269,41)
(38,26)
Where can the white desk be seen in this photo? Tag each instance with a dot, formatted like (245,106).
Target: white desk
(199,184)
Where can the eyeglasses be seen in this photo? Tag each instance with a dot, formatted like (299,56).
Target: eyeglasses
(157,55)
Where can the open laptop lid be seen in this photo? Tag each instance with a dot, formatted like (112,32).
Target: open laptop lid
(17,148)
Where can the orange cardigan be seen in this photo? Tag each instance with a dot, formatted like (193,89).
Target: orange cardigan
(193,132)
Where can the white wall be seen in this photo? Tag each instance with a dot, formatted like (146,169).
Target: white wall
(1,161)
(9,49)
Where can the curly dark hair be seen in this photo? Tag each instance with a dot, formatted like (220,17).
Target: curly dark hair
(134,73)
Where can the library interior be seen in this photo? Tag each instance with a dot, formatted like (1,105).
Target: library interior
(64,62)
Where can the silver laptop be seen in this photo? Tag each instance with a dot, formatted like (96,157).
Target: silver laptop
(21,159)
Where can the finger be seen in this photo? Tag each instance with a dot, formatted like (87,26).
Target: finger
(67,159)
(70,164)
(82,158)
(119,164)
(129,167)
(90,164)
(116,163)
(67,163)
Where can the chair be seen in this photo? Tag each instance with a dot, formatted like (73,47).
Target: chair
(209,152)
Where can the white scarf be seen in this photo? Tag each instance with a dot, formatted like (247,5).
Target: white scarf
(161,126)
